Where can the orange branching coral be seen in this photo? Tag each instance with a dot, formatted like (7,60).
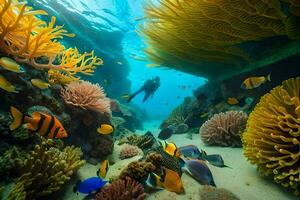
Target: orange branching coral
(271,140)
(30,40)
(197,31)
(224,129)
(86,96)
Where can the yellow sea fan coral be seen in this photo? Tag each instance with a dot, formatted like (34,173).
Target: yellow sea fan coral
(59,77)
(272,137)
(200,31)
(30,40)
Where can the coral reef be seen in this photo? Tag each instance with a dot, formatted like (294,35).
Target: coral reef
(58,77)
(223,27)
(138,170)
(128,151)
(46,170)
(144,142)
(224,129)
(86,96)
(30,40)
(102,146)
(208,192)
(11,161)
(272,135)
(122,189)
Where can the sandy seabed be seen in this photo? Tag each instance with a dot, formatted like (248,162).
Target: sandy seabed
(242,178)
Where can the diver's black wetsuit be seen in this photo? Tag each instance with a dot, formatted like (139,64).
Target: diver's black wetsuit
(149,87)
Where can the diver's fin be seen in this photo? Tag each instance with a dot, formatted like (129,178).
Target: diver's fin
(18,118)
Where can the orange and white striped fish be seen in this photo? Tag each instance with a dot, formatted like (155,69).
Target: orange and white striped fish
(254,82)
(44,124)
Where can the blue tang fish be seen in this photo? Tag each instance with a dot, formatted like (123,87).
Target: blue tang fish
(89,185)
(199,171)
(190,151)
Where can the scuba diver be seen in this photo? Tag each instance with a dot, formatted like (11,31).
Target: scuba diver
(149,87)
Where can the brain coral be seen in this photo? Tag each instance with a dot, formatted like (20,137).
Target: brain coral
(271,140)
(86,96)
(128,151)
(224,129)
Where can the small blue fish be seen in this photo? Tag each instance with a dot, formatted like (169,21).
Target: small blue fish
(214,159)
(89,185)
(199,171)
(190,151)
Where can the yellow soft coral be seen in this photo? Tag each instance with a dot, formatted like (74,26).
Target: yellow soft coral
(195,32)
(272,137)
(30,40)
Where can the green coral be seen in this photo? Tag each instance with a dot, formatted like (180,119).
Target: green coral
(11,160)
(46,170)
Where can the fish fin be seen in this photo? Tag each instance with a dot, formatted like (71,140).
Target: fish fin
(29,126)
(98,172)
(18,118)
(76,186)
(181,162)
(151,180)
(268,77)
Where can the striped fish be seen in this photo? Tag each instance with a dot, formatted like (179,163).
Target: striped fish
(44,124)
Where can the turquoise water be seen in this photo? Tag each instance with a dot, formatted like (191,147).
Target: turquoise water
(202,134)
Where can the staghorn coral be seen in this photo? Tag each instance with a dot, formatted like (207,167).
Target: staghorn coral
(46,170)
(122,189)
(128,151)
(271,139)
(224,129)
(30,40)
(138,170)
(208,192)
(197,32)
(86,95)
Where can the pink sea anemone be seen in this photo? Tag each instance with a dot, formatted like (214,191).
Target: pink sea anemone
(224,129)
(128,151)
(86,96)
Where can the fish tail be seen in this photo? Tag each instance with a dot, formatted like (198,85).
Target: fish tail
(18,118)
(268,77)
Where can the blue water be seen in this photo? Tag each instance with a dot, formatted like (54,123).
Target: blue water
(109,27)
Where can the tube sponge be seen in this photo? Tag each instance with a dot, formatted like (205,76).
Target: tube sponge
(271,140)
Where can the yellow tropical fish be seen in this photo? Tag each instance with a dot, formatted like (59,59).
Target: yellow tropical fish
(102,171)
(204,115)
(11,65)
(40,83)
(254,82)
(153,65)
(105,129)
(5,85)
(170,148)
(232,101)
(170,180)
(125,96)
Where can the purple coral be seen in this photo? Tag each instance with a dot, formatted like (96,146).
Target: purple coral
(224,129)
(122,189)
(128,151)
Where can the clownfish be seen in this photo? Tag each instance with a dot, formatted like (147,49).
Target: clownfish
(254,82)
(102,171)
(169,180)
(46,125)
(11,65)
(105,129)
(170,148)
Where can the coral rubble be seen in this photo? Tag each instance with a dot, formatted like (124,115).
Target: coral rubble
(224,129)
(46,170)
(271,138)
(122,189)
(212,193)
